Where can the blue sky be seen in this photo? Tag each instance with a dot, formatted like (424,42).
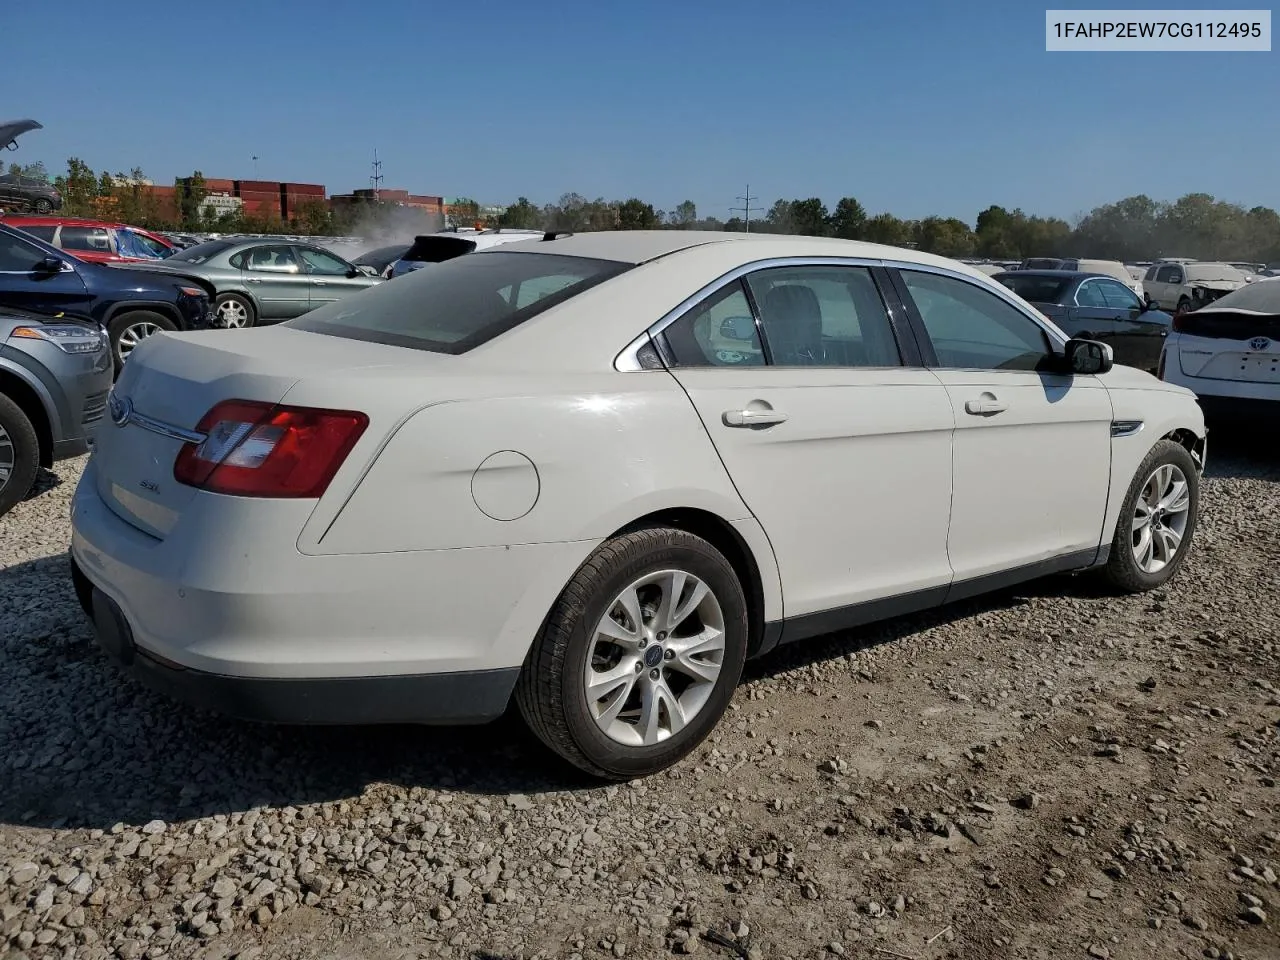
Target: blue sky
(915,108)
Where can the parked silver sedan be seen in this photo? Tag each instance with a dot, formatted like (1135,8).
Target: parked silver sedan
(263,281)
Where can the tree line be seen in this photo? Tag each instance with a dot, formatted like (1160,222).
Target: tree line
(1136,228)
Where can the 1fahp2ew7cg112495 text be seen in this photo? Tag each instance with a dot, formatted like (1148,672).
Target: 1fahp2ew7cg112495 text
(1158,31)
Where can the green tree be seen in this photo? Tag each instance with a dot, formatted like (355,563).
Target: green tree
(35,171)
(886,228)
(635,214)
(849,219)
(79,189)
(685,215)
(463,212)
(809,218)
(521,215)
(947,237)
(778,219)
(189,193)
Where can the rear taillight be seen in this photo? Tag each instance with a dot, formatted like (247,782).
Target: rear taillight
(256,449)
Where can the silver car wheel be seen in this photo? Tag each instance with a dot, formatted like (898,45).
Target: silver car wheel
(655,658)
(1160,518)
(233,314)
(8,457)
(133,335)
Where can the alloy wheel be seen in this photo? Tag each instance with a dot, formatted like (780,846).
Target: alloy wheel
(1160,518)
(655,658)
(232,314)
(133,335)
(8,457)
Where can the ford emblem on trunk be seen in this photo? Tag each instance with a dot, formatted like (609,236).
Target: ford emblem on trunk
(120,409)
(1259,343)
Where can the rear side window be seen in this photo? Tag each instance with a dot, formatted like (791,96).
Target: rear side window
(1090,295)
(44,231)
(97,239)
(1035,289)
(202,251)
(461,303)
(17,256)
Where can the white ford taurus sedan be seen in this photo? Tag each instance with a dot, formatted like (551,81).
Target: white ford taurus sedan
(595,474)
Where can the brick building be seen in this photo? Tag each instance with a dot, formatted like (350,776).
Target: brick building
(401,198)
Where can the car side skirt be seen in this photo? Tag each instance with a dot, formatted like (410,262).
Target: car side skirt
(844,618)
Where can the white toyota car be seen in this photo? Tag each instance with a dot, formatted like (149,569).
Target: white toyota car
(1228,352)
(595,474)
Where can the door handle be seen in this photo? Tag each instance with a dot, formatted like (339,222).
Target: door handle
(753,418)
(985,408)
(253,280)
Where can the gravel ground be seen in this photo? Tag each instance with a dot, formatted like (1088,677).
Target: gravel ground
(1049,772)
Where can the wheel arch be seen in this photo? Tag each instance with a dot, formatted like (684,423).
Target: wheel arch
(169,311)
(243,294)
(31,403)
(727,539)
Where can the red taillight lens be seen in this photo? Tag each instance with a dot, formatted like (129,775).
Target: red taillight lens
(256,449)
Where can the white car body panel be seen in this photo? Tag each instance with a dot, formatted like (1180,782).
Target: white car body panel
(484,480)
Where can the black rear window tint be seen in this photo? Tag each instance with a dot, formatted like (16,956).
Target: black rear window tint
(1035,289)
(438,249)
(461,303)
(44,232)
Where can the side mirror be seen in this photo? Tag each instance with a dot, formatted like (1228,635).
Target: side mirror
(50,265)
(353,273)
(738,328)
(1088,357)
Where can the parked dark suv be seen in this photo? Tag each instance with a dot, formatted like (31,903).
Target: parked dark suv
(131,304)
(28,193)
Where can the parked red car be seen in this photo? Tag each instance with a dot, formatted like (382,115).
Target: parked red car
(94,240)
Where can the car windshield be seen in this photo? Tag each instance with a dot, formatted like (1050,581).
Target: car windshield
(1041,263)
(1213,271)
(460,303)
(1035,289)
(202,251)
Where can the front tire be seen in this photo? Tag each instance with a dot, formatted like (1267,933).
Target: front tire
(44,207)
(1157,522)
(640,656)
(234,312)
(127,330)
(19,454)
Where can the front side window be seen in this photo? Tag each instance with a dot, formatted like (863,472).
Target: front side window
(1170,274)
(972,329)
(460,303)
(17,256)
(718,332)
(1089,294)
(273,259)
(1118,296)
(320,263)
(96,239)
(824,317)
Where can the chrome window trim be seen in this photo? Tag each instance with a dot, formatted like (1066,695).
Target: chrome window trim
(626,360)
(1076,296)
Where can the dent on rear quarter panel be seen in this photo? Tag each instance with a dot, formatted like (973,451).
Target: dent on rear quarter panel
(602,460)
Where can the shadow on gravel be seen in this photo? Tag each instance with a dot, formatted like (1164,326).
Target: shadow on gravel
(46,480)
(85,747)
(1243,452)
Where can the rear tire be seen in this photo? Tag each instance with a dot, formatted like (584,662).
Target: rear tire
(1157,521)
(127,330)
(234,312)
(44,207)
(618,707)
(19,454)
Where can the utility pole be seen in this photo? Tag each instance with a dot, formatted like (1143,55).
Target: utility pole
(376,179)
(745,209)
(255,166)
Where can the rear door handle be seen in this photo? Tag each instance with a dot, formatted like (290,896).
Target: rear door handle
(320,283)
(253,280)
(985,408)
(753,418)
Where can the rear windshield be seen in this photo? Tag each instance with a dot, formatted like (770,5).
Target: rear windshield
(1035,289)
(438,249)
(462,303)
(202,251)
(1041,263)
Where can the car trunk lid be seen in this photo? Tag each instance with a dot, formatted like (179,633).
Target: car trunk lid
(1223,345)
(171,381)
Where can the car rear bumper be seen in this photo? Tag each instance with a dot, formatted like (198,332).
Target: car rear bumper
(226,613)
(446,698)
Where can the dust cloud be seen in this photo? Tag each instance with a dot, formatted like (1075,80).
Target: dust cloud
(385,226)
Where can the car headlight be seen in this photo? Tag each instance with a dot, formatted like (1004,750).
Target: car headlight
(67,337)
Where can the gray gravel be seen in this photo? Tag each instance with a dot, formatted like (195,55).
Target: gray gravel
(1051,772)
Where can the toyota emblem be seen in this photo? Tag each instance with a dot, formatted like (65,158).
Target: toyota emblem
(120,409)
(1259,343)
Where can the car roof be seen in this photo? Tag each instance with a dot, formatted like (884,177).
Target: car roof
(1057,274)
(67,222)
(644,246)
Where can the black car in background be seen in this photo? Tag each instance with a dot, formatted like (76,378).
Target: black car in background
(1093,306)
(28,193)
(130,304)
